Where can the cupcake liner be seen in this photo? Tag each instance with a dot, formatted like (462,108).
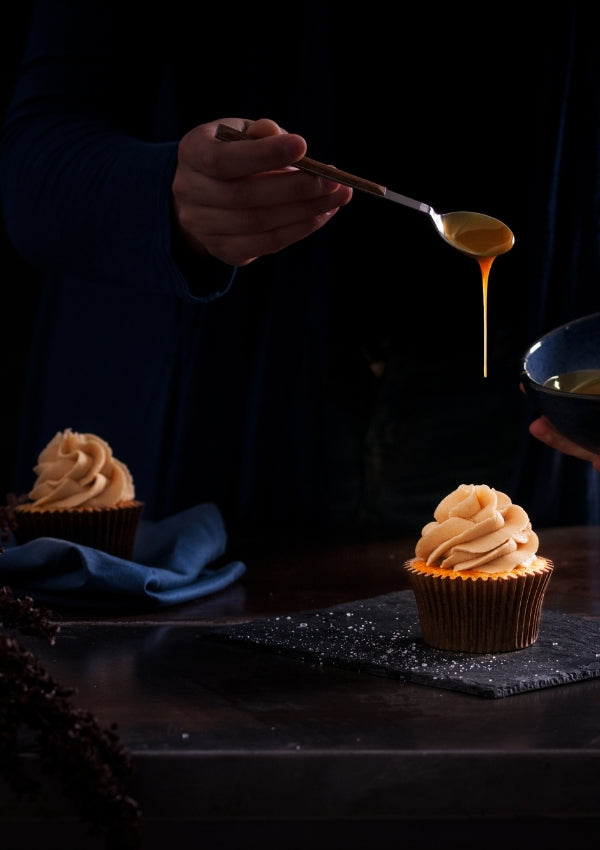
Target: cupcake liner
(111,530)
(480,614)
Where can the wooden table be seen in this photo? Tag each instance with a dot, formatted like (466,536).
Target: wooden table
(240,747)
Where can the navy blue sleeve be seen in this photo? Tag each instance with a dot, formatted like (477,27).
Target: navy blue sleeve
(85,177)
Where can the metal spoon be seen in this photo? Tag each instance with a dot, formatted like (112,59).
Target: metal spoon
(473,233)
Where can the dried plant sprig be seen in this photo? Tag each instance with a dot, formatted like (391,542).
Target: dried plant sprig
(89,760)
(23,614)
(8,519)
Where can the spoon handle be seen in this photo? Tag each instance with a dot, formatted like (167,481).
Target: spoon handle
(228,134)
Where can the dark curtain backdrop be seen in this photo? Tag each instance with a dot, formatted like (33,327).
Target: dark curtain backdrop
(500,116)
(503,117)
(19,283)
(563,261)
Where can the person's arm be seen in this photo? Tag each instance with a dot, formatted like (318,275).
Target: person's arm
(86,190)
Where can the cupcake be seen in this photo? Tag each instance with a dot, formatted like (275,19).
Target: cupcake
(478,581)
(82,494)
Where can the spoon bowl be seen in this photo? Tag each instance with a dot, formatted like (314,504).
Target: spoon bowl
(473,233)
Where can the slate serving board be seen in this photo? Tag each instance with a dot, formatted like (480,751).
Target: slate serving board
(382,636)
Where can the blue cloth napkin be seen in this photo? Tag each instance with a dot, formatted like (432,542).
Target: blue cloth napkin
(174,561)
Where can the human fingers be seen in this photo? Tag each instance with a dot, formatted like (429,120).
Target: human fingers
(237,231)
(211,171)
(240,249)
(266,148)
(253,212)
(543,430)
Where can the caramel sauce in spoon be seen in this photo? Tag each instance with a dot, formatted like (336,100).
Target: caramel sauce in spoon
(483,238)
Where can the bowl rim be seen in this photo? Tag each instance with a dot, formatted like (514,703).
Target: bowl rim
(550,391)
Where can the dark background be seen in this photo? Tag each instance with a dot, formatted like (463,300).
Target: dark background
(19,283)
(529,90)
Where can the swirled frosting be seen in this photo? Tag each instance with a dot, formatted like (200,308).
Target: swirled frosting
(79,470)
(478,528)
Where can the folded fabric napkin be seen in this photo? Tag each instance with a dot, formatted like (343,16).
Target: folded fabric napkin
(175,560)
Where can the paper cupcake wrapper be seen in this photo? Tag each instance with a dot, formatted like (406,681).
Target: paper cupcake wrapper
(111,530)
(467,615)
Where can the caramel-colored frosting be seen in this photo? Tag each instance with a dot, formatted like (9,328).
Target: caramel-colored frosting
(79,470)
(478,528)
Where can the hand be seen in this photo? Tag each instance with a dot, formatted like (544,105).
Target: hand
(544,431)
(237,201)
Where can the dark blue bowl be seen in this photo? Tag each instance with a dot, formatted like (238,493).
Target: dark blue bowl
(568,348)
